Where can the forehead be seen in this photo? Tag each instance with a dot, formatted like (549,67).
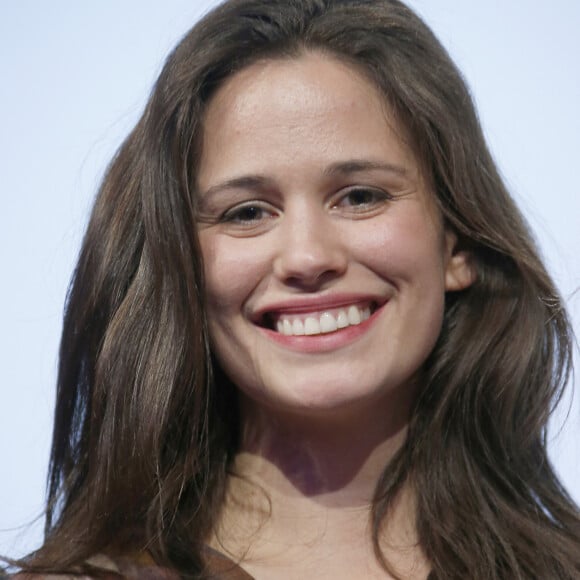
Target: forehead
(300,83)
(310,110)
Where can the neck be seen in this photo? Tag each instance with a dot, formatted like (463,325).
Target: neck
(339,456)
(296,477)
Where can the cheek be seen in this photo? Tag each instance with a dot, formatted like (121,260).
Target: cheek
(404,250)
(232,270)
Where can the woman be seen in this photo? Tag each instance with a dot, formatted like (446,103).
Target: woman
(309,332)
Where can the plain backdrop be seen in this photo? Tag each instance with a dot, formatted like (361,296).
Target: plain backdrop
(74,77)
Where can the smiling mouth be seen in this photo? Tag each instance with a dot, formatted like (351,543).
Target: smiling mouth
(318,322)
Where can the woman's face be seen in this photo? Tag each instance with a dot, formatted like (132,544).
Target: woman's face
(325,258)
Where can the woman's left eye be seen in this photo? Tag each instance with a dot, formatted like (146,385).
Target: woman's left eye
(361,198)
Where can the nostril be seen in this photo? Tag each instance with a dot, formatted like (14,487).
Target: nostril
(311,281)
(309,260)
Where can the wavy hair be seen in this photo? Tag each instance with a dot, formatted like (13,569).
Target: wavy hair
(146,425)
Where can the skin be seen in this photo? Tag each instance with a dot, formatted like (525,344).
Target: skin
(311,197)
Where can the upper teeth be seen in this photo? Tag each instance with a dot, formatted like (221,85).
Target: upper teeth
(323,322)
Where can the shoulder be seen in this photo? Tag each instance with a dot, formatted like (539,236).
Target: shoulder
(31,576)
(102,567)
(141,567)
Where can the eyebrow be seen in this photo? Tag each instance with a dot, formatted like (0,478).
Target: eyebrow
(243,182)
(360,165)
(349,167)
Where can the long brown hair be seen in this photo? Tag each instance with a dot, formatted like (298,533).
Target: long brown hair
(146,424)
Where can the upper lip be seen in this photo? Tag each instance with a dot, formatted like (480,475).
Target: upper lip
(306,304)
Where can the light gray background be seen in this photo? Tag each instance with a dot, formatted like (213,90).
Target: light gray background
(73,79)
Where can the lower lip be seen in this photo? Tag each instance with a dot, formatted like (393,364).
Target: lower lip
(324,342)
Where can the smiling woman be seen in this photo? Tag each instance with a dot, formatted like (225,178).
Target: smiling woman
(325,217)
(309,334)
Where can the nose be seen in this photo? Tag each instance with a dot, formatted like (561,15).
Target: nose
(310,251)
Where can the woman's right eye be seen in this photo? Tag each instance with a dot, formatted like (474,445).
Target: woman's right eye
(247,214)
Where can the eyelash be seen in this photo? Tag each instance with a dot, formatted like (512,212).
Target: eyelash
(261,211)
(378,196)
(234,215)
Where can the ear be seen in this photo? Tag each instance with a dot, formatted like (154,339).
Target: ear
(460,270)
